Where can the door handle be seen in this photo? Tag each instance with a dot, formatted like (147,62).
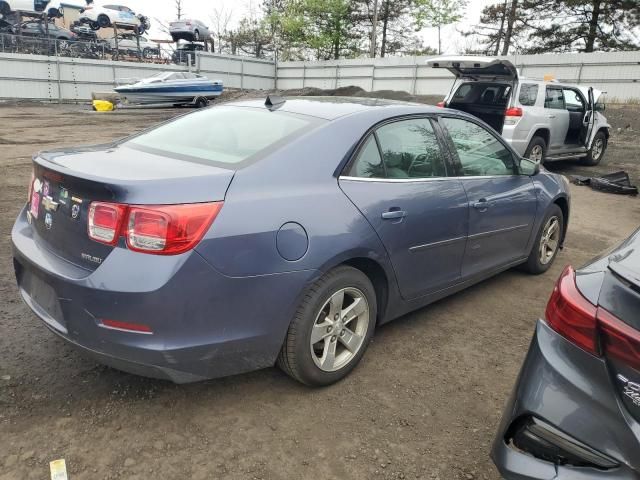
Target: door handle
(551,116)
(482,205)
(394,214)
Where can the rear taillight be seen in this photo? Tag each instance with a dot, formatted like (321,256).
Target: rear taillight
(513,112)
(572,315)
(440,104)
(591,328)
(619,341)
(105,222)
(156,229)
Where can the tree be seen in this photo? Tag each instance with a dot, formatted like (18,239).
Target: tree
(178,9)
(582,25)
(438,13)
(500,25)
(220,19)
(251,38)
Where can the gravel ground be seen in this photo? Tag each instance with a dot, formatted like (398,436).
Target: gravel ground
(424,403)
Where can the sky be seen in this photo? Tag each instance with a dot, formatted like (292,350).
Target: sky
(163,11)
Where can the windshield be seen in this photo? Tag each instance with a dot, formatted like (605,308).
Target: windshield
(222,135)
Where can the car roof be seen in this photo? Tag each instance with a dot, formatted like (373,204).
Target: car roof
(330,108)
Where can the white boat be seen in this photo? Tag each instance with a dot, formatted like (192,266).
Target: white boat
(176,88)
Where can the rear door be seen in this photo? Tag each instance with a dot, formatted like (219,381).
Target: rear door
(557,116)
(502,203)
(400,182)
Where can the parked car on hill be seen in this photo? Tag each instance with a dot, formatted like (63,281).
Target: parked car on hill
(190,30)
(39,30)
(575,411)
(186,52)
(281,231)
(542,120)
(128,44)
(106,15)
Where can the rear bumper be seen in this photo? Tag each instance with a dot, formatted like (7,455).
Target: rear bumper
(572,391)
(204,324)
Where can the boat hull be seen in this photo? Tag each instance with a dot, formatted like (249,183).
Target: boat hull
(168,94)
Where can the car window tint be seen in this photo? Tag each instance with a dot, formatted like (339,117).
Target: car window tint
(463,91)
(222,135)
(480,152)
(528,94)
(554,99)
(410,149)
(368,164)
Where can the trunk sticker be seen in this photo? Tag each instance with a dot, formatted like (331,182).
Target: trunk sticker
(46,188)
(48,221)
(35,204)
(76,199)
(37,185)
(75,211)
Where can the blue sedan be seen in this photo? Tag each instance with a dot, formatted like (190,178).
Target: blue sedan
(286,231)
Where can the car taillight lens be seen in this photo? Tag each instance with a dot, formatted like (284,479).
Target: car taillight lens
(592,328)
(513,112)
(105,221)
(619,341)
(156,229)
(440,104)
(572,315)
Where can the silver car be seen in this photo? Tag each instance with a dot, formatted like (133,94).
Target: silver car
(542,120)
(191,30)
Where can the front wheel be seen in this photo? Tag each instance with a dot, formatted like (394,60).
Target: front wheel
(596,153)
(547,242)
(104,21)
(331,329)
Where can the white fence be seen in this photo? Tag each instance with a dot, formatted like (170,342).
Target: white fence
(618,73)
(53,78)
(63,79)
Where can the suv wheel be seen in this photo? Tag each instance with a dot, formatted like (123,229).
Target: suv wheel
(536,150)
(598,147)
(547,243)
(331,329)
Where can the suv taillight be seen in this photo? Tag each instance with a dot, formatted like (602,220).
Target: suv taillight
(156,229)
(514,112)
(441,104)
(591,328)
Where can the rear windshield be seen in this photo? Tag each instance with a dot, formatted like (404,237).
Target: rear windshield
(482,93)
(222,135)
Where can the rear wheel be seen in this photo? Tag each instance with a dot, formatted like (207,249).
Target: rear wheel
(331,329)
(536,150)
(94,26)
(547,243)
(596,153)
(201,102)
(4,9)
(196,36)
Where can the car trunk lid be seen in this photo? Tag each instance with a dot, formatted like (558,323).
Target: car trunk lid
(67,181)
(476,68)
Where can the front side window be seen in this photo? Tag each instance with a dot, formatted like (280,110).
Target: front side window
(222,136)
(573,101)
(554,99)
(407,149)
(479,151)
(528,94)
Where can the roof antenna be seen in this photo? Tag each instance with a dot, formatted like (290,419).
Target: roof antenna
(274,101)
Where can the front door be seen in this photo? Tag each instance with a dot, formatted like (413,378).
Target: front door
(502,203)
(399,181)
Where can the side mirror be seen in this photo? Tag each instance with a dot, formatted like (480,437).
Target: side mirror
(600,107)
(529,167)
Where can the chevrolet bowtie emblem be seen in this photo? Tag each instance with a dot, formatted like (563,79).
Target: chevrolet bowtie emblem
(49,205)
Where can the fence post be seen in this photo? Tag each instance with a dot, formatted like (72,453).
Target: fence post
(373,77)
(415,78)
(58,73)
(337,75)
(242,73)
(275,74)
(304,73)
(580,73)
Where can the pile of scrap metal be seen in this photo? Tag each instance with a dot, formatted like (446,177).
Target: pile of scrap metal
(617,182)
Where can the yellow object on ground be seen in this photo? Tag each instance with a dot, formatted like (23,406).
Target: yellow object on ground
(103,106)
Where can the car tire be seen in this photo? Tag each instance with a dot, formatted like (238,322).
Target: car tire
(597,150)
(5,9)
(341,291)
(94,26)
(104,21)
(196,36)
(202,102)
(536,150)
(547,243)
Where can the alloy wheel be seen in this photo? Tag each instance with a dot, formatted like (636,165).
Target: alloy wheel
(536,154)
(340,329)
(597,149)
(550,240)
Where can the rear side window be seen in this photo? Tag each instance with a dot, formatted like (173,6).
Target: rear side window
(222,135)
(408,149)
(528,94)
(554,99)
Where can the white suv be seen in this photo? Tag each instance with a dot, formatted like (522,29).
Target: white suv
(542,120)
(53,8)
